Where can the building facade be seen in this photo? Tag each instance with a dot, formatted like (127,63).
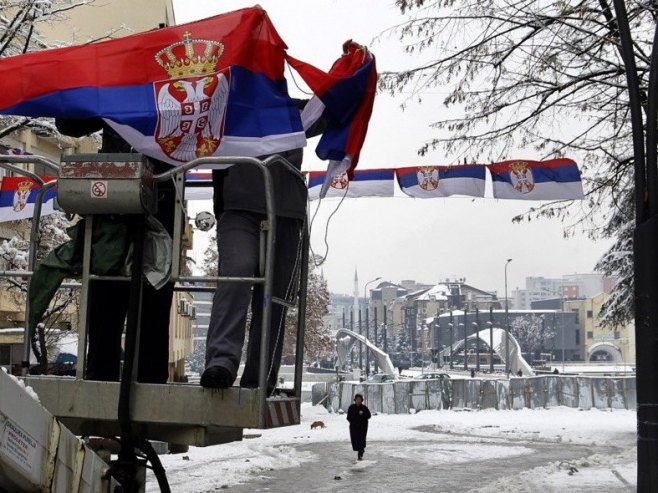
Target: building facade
(81,24)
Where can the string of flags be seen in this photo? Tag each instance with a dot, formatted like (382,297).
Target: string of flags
(554,179)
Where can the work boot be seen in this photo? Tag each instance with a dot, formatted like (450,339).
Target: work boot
(217,377)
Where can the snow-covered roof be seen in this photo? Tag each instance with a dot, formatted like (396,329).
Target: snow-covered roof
(511,312)
(439,292)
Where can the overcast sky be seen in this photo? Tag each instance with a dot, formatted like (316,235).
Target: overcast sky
(398,238)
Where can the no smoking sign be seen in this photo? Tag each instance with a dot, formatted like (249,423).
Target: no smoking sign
(98,189)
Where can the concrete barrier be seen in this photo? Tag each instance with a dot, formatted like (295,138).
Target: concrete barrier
(516,393)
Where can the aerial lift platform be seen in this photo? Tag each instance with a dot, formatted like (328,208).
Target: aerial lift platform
(136,412)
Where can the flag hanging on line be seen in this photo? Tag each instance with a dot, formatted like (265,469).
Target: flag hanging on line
(17,197)
(365,183)
(442,181)
(198,185)
(554,179)
(214,87)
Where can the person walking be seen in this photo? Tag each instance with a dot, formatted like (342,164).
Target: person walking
(358,415)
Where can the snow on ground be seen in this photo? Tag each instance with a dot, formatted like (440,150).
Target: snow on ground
(209,468)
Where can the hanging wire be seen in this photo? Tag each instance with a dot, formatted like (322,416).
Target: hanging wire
(322,260)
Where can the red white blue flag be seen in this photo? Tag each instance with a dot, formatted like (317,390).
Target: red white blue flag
(214,87)
(554,179)
(345,97)
(442,181)
(17,197)
(364,183)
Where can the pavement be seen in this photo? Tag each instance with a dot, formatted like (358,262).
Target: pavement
(452,463)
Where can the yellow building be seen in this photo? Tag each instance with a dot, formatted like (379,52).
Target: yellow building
(598,344)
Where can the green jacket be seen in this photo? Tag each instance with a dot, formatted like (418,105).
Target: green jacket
(110,247)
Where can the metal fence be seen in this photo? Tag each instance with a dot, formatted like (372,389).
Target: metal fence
(516,393)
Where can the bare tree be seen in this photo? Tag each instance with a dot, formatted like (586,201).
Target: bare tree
(318,342)
(541,75)
(532,333)
(14,256)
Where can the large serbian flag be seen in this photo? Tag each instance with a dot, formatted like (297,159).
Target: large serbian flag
(554,179)
(364,183)
(442,181)
(344,97)
(18,195)
(214,87)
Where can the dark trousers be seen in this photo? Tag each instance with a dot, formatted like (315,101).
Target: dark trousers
(108,306)
(238,237)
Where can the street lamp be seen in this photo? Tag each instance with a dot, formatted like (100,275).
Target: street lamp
(365,297)
(507,365)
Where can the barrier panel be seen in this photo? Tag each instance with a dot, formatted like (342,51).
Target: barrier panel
(458,393)
(569,392)
(516,393)
(617,393)
(418,395)
(374,398)
(630,393)
(402,391)
(435,394)
(388,398)
(552,388)
(502,387)
(601,393)
(584,393)
(536,392)
(488,397)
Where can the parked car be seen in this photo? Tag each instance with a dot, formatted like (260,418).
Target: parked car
(381,378)
(432,376)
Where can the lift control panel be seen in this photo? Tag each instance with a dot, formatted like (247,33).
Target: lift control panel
(106,184)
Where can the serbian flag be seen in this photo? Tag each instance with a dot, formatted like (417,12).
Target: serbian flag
(442,181)
(17,197)
(555,179)
(344,97)
(214,87)
(198,185)
(364,183)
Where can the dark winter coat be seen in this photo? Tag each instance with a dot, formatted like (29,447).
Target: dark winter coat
(358,417)
(241,188)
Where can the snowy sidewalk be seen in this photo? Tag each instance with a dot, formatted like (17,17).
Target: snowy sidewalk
(484,451)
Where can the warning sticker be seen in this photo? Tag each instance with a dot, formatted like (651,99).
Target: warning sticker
(18,445)
(98,189)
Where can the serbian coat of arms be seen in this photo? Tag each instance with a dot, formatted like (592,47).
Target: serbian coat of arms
(192,103)
(21,195)
(428,178)
(521,177)
(339,181)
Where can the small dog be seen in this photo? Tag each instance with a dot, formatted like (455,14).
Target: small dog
(317,424)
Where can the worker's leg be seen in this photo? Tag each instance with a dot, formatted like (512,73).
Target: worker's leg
(237,244)
(108,304)
(153,362)
(286,255)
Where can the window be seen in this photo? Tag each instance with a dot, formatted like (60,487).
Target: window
(589,314)
(575,312)
(5,354)
(590,334)
(577,337)
(617,334)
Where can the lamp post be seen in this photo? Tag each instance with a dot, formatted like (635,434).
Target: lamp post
(507,365)
(365,298)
